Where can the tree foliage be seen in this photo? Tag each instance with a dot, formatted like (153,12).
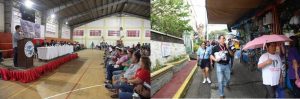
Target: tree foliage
(170,16)
(214,34)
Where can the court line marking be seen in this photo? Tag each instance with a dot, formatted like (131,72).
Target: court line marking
(32,84)
(87,68)
(74,91)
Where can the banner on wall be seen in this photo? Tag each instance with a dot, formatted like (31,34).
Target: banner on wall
(51,29)
(95,32)
(78,33)
(42,31)
(31,30)
(66,33)
(165,49)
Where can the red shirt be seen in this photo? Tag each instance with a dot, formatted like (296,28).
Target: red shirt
(143,74)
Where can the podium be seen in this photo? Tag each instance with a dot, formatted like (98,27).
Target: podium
(25,53)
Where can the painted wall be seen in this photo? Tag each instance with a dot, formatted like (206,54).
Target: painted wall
(2,17)
(114,23)
(164,51)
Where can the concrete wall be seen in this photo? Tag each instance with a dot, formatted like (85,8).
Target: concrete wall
(164,51)
(158,81)
(1,16)
(114,23)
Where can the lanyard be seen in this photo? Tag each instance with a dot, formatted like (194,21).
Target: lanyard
(222,48)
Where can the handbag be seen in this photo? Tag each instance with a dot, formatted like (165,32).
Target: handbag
(297,83)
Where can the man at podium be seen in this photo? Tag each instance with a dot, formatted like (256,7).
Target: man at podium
(18,35)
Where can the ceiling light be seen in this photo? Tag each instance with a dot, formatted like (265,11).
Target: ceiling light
(28,3)
(52,15)
(67,23)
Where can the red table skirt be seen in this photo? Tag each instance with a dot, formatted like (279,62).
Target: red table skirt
(35,73)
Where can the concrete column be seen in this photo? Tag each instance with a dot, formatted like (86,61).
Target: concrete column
(71,32)
(60,25)
(8,5)
(2,15)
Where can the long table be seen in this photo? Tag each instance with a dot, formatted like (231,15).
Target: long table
(51,52)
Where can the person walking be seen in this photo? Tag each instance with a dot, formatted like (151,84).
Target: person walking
(271,65)
(232,49)
(221,55)
(203,54)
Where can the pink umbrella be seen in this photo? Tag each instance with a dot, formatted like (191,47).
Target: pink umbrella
(260,41)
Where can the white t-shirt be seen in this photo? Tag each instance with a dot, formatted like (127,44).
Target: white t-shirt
(271,73)
(131,71)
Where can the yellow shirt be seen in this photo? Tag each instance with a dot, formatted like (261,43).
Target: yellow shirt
(236,45)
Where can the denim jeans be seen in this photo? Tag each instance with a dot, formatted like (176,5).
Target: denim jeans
(118,72)
(125,87)
(109,70)
(125,95)
(223,75)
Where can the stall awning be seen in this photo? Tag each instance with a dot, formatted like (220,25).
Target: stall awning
(229,11)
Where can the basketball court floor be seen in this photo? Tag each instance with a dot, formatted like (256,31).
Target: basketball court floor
(82,78)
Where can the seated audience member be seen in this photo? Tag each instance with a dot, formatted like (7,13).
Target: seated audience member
(129,73)
(141,76)
(141,92)
(111,67)
(124,63)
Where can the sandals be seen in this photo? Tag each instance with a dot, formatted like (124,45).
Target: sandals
(115,96)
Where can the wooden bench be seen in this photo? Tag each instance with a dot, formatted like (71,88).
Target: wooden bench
(6,45)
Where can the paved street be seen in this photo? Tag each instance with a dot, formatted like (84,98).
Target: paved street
(244,84)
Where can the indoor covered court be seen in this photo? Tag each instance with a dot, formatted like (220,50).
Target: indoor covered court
(60,49)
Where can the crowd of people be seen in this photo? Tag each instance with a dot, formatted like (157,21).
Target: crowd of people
(127,71)
(271,63)
(219,55)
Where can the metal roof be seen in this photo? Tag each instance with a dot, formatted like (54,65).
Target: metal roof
(229,11)
(79,12)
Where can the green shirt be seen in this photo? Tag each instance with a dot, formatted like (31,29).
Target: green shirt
(128,62)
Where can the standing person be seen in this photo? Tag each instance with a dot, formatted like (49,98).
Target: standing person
(294,68)
(271,66)
(18,35)
(92,45)
(138,46)
(221,55)
(212,63)
(231,48)
(203,54)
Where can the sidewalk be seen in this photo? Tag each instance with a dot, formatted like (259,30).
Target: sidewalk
(244,84)
(171,88)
